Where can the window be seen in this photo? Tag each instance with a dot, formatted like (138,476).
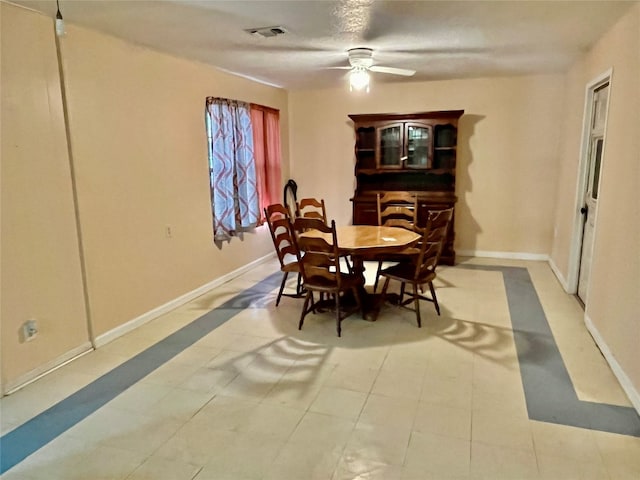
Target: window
(244,163)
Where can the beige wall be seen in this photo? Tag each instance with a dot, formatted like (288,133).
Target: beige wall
(41,276)
(140,157)
(507,162)
(613,304)
(140,151)
(569,158)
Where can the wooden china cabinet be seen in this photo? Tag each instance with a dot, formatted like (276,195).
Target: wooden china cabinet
(413,152)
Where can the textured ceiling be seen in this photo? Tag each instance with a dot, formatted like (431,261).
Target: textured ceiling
(438,39)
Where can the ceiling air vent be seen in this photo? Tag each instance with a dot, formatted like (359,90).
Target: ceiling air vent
(266,32)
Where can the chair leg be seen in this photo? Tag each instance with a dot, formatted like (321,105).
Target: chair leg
(312,308)
(385,286)
(304,309)
(299,285)
(378,270)
(338,320)
(284,280)
(433,296)
(417,303)
(348,264)
(359,305)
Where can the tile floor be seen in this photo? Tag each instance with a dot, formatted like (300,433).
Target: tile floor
(255,398)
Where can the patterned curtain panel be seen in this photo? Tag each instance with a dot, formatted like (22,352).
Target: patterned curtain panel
(234,194)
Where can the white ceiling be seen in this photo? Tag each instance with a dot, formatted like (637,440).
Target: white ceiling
(438,39)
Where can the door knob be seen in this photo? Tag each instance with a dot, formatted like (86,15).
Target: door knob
(584,210)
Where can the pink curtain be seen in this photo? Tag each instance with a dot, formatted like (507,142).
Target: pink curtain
(266,151)
(272,132)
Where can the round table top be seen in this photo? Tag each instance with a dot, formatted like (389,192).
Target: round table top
(360,238)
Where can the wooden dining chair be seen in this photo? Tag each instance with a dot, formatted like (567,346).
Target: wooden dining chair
(422,269)
(320,266)
(314,208)
(277,216)
(311,208)
(396,209)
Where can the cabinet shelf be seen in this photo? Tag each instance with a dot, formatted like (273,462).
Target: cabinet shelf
(413,171)
(441,171)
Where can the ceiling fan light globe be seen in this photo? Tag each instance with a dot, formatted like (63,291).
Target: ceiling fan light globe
(359,79)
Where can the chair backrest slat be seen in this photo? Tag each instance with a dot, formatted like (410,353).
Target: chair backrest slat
(280,227)
(398,209)
(318,258)
(432,242)
(311,208)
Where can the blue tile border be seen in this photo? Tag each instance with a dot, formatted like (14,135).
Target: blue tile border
(34,434)
(549,392)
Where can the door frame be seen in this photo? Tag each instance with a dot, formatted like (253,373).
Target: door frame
(583,178)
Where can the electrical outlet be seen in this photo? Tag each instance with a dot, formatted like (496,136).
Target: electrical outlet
(29,330)
(168,231)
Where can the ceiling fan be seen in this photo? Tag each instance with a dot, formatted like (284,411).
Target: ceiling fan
(361,63)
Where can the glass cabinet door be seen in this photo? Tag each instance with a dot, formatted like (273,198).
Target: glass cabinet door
(390,147)
(418,139)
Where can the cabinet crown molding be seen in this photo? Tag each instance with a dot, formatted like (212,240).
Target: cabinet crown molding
(367,117)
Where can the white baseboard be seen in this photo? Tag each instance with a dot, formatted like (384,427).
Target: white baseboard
(36,373)
(625,382)
(127,327)
(519,256)
(559,276)
(509,255)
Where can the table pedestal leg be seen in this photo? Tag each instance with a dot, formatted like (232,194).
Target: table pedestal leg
(371,302)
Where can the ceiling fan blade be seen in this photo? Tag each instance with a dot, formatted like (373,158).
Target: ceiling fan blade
(392,70)
(339,68)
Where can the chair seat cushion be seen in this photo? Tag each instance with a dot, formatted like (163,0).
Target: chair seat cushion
(324,284)
(406,272)
(403,256)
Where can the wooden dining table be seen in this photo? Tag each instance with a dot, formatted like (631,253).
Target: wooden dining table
(364,241)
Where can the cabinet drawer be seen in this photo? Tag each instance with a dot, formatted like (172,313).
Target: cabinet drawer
(365,213)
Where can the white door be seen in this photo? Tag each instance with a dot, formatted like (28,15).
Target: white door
(590,198)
